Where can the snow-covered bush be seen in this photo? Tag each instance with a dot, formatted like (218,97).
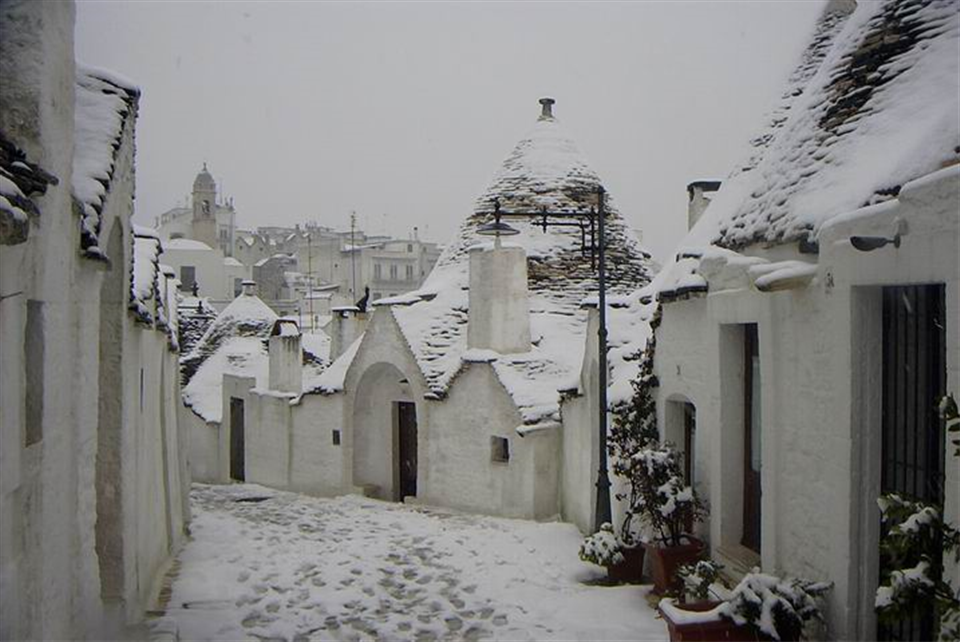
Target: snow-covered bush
(661,500)
(697,579)
(911,550)
(602,548)
(634,428)
(777,607)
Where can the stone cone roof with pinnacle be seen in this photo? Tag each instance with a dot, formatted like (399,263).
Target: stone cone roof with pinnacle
(544,170)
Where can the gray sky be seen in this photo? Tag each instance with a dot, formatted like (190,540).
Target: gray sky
(403,111)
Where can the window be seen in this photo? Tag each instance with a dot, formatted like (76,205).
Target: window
(409,247)
(237,287)
(393,272)
(499,449)
(409,272)
(377,271)
(336,437)
(188,277)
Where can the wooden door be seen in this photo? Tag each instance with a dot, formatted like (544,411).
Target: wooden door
(752,492)
(236,440)
(914,379)
(407,451)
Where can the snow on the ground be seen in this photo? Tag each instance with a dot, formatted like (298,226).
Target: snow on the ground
(269,564)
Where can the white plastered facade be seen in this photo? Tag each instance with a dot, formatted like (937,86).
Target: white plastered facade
(820,362)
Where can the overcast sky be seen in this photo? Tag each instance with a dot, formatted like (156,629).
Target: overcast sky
(404,111)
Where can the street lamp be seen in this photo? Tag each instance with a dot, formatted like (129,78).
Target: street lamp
(498,228)
(594,222)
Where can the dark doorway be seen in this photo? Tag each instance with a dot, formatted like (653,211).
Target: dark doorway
(407,451)
(914,379)
(689,443)
(752,492)
(236,440)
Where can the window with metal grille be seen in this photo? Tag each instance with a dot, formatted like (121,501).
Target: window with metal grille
(914,379)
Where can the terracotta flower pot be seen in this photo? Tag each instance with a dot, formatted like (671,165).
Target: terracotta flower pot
(665,560)
(696,622)
(630,570)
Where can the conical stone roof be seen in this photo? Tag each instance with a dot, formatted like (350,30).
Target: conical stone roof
(544,170)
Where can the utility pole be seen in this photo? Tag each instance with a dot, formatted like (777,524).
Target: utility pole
(310,282)
(353,258)
(603,477)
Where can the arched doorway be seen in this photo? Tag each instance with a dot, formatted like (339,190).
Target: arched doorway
(385,435)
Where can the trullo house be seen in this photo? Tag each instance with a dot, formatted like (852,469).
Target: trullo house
(466,392)
(809,320)
(93,479)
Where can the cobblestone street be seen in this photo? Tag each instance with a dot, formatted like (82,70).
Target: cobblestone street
(264,564)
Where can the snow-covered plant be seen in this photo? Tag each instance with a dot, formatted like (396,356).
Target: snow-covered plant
(911,549)
(634,428)
(697,579)
(915,540)
(777,607)
(950,416)
(602,548)
(661,500)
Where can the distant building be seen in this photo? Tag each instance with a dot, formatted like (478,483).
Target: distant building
(467,391)
(207,220)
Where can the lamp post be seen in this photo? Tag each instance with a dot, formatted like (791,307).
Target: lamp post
(595,225)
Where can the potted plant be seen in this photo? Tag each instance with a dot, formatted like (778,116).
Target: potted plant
(604,548)
(776,609)
(667,507)
(634,428)
(693,614)
(761,608)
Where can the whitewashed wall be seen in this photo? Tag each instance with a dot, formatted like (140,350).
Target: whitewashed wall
(820,396)
(54,506)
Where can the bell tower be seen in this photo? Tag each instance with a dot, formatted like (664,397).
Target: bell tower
(205,208)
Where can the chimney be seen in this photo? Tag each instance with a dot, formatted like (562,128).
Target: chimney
(697,203)
(249,288)
(347,324)
(546,108)
(286,357)
(499,314)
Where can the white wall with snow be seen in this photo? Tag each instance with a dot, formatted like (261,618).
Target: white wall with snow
(92,489)
(820,396)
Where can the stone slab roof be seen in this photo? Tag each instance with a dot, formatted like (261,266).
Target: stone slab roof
(873,104)
(544,170)
(105,105)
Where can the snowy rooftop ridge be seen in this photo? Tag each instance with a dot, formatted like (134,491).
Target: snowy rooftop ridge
(880,110)
(235,343)
(145,273)
(19,181)
(105,105)
(544,170)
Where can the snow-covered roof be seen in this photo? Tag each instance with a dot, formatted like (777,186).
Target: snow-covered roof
(19,181)
(235,343)
(145,271)
(187,244)
(195,315)
(105,104)
(544,170)
(153,290)
(873,105)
